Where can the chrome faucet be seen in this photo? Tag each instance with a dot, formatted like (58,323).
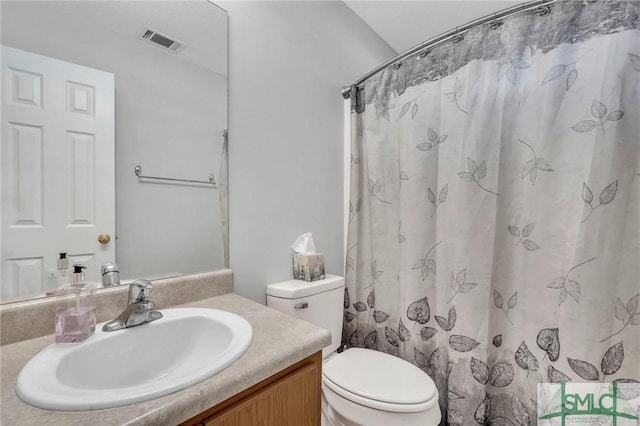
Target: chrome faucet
(140,309)
(110,274)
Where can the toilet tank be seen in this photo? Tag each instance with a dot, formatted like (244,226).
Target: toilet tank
(318,302)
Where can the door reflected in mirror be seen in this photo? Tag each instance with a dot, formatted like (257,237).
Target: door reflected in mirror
(90,91)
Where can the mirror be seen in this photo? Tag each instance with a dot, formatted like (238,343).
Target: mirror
(114,117)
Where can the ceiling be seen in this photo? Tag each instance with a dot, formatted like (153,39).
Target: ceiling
(199,24)
(404,24)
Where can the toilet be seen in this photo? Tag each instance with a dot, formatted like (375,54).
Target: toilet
(360,387)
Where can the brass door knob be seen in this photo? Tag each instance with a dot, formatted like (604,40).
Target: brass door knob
(104,238)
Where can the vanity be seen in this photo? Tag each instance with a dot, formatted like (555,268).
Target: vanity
(276,381)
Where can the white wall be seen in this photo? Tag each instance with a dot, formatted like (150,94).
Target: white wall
(169,119)
(288,62)
(421,20)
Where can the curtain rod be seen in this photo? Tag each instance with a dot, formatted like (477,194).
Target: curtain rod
(494,17)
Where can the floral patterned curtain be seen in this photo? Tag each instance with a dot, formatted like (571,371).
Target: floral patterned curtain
(494,227)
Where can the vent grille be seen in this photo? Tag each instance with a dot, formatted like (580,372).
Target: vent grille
(161,40)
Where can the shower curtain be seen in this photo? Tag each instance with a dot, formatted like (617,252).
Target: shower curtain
(494,218)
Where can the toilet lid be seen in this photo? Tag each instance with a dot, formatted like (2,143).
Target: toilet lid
(380,377)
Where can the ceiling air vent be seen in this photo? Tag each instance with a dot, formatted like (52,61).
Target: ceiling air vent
(163,41)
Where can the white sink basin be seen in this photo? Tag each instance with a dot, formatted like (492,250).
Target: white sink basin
(136,364)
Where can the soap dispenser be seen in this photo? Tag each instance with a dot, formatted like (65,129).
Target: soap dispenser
(77,321)
(77,276)
(63,262)
(63,267)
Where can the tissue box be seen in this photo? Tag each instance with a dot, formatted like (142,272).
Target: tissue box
(308,267)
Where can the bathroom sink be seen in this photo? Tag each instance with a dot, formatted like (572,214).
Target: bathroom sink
(112,369)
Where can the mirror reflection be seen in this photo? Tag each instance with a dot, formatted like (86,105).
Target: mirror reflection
(92,90)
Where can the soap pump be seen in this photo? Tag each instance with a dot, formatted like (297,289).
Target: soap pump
(63,268)
(78,321)
(63,262)
(77,277)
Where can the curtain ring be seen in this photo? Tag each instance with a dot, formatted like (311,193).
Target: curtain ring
(425,53)
(496,23)
(457,38)
(543,10)
(397,65)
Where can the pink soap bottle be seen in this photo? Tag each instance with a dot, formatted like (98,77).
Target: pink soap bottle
(77,321)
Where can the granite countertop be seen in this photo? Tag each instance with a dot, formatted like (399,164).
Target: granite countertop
(279,341)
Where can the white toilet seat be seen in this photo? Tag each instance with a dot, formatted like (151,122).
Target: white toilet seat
(379,381)
(379,405)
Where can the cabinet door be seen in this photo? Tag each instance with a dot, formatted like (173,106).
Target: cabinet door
(293,400)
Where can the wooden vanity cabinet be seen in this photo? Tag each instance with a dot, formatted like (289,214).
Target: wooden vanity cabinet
(291,397)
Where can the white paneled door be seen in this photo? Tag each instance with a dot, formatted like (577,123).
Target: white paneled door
(58,168)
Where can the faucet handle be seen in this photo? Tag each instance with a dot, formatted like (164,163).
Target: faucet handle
(139,291)
(110,274)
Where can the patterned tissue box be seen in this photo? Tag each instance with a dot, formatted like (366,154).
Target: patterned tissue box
(308,267)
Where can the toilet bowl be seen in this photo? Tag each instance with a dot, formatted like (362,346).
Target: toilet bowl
(360,387)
